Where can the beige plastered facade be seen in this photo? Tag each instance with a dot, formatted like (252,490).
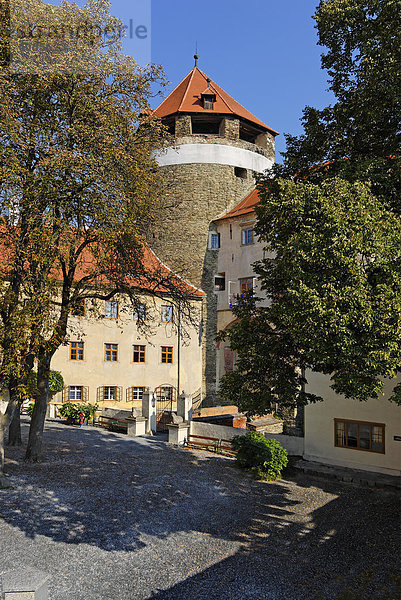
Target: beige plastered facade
(234,261)
(95,330)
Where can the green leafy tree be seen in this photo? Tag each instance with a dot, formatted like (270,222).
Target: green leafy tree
(28,391)
(265,458)
(362,42)
(333,279)
(71,412)
(332,275)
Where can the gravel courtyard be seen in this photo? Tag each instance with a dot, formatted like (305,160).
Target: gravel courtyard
(114,518)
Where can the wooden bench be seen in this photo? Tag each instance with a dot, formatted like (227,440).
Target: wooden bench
(201,442)
(212,444)
(112,423)
(227,448)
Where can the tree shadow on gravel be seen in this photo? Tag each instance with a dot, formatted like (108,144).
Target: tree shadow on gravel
(347,549)
(304,538)
(108,490)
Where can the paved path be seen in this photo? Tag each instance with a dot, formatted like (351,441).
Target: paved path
(113,518)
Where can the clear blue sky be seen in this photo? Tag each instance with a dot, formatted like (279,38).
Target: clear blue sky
(262,52)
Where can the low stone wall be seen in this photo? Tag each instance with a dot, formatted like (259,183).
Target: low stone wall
(293,445)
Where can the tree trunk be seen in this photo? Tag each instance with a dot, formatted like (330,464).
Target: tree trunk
(14,430)
(3,427)
(35,440)
(5,419)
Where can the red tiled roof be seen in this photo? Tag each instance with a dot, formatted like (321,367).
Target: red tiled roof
(246,206)
(187,98)
(157,277)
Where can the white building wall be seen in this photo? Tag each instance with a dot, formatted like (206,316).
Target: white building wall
(319,428)
(235,262)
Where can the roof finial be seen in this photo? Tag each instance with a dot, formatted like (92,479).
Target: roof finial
(196,57)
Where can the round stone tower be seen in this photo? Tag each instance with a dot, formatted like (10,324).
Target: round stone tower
(218,147)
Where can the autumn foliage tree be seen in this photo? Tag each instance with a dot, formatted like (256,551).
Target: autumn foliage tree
(78,185)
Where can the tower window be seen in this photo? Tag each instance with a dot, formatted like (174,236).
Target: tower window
(208,101)
(210,126)
(214,241)
(219,283)
(241,173)
(170,124)
(248,133)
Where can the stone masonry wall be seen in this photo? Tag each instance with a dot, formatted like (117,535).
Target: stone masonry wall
(200,193)
(183,125)
(197,194)
(229,128)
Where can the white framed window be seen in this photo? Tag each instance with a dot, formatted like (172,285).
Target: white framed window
(167,314)
(214,241)
(75,394)
(111,309)
(137,393)
(109,392)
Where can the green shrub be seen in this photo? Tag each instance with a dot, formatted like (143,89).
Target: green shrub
(29,409)
(56,382)
(266,458)
(70,411)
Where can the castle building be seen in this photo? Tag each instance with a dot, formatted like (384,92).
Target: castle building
(217,148)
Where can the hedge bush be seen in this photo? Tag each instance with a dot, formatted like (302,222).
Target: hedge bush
(265,458)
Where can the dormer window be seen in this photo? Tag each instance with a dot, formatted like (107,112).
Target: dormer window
(208,101)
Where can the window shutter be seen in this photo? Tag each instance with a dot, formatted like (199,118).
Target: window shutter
(119,393)
(99,394)
(66,394)
(85,393)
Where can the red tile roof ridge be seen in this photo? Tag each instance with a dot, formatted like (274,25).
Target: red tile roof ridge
(245,206)
(172,92)
(188,86)
(197,291)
